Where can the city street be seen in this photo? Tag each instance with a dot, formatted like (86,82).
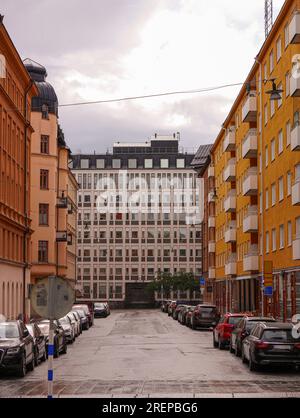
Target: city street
(147,354)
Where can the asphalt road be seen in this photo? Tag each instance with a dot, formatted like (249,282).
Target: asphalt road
(147,354)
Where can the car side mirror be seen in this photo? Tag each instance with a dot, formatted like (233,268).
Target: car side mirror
(25,333)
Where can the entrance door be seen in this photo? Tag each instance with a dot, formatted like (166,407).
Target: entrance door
(138,296)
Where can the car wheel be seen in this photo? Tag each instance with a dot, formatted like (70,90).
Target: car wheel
(215,344)
(244,360)
(32,363)
(22,368)
(64,350)
(253,367)
(237,351)
(231,349)
(192,324)
(221,344)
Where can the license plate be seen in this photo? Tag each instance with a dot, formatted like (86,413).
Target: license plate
(282,347)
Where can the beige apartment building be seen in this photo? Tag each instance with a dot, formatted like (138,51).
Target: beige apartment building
(53,187)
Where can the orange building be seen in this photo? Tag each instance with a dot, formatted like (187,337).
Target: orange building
(16,92)
(256,164)
(53,187)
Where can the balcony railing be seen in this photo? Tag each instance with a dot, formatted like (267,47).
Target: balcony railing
(296,193)
(230,170)
(229,141)
(295,138)
(250,185)
(296,248)
(212,247)
(251,260)
(211,222)
(230,202)
(250,223)
(211,171)
(212,273)
(61,236)
(249,111)
(294,29)
(211,197)
(230,266)
(249,149)
(295,86)
(230,233)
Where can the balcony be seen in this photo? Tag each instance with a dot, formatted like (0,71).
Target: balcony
(295,86)
(296,193)
(249,111)
(211,273)
(211,172)
(295,139)
(211,222)
(212,247)
(294,29)
(229,172)
(230,266)
(251,260)
(296,248)
(62,202)
(230,202)
(250,185)
(250,223)
(230,233)
(249,149)
(229,141)
(61,236)
(211,197)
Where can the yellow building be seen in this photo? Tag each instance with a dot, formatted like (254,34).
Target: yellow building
(53,187)
(256,163)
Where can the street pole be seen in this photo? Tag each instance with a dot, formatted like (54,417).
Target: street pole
(51,337)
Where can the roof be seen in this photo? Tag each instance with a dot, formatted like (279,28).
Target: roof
(202,155)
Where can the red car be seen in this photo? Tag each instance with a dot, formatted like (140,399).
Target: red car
(222,332)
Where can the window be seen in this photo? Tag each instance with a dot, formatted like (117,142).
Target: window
(267,242)
(281,191)
(44,179)
(274,244)
(44,214)
(148,163)
(44,144)
(45,111)
(84,164)
(43,251)
(267,199)
(132,163)
(266,113)
(260,203)
(287,84)
(180,163)
(278,49)
(273,150)
(267,155)
(265,72)
(297,172)
(281,236)
(280,142)
(271,62)
(100,164)
(87,198)
(286,36)
(182,253)
(289,183)
(280,87)
(272,108)
(289,233)
(288,133)
(164,163)
(273,194)
(116,164)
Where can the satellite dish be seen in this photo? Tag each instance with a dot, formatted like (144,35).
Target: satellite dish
(52,297)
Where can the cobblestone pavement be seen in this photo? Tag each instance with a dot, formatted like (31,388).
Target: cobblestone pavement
(147,354)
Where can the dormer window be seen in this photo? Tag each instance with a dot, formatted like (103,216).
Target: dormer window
(45,111)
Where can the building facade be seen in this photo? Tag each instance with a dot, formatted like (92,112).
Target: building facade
(16,92)
(132,222)
(256,167)
(53,187)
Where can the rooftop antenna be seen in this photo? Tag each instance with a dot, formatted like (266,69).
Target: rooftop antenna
(268,16)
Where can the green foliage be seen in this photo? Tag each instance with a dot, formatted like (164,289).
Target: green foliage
(178,281)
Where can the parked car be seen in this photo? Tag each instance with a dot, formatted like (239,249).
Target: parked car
(85,324)
(172,305)
(164,305)
(242,330)
(39,347)
(60,342)
(222,332)
(177,310)
(205,316)
(271,343)
(68,328)
(16,348)
(100,310)
(88,310)
(183,313)
(188,316)
(75,323)
(76,315)
(107,307)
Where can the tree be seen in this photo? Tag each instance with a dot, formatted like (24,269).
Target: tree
(179,281)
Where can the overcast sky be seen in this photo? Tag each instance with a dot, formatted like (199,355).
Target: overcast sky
(103,49)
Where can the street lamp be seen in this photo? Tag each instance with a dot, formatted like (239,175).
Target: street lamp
(275,93)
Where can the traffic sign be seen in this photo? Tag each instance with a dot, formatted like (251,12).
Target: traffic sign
(202,281)
(268,291)
(52,297)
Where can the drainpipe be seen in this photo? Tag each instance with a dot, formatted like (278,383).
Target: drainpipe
(26,231)
(57,209)
(262,189)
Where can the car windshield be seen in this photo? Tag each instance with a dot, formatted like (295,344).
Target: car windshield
(81,313)
(9,331)
(82,308)
(64,321)
(44,327)
(99,306)
(278,335)
(208,309)
(233,320)
(30,329)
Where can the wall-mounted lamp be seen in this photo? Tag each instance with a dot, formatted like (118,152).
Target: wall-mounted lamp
(275,93)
